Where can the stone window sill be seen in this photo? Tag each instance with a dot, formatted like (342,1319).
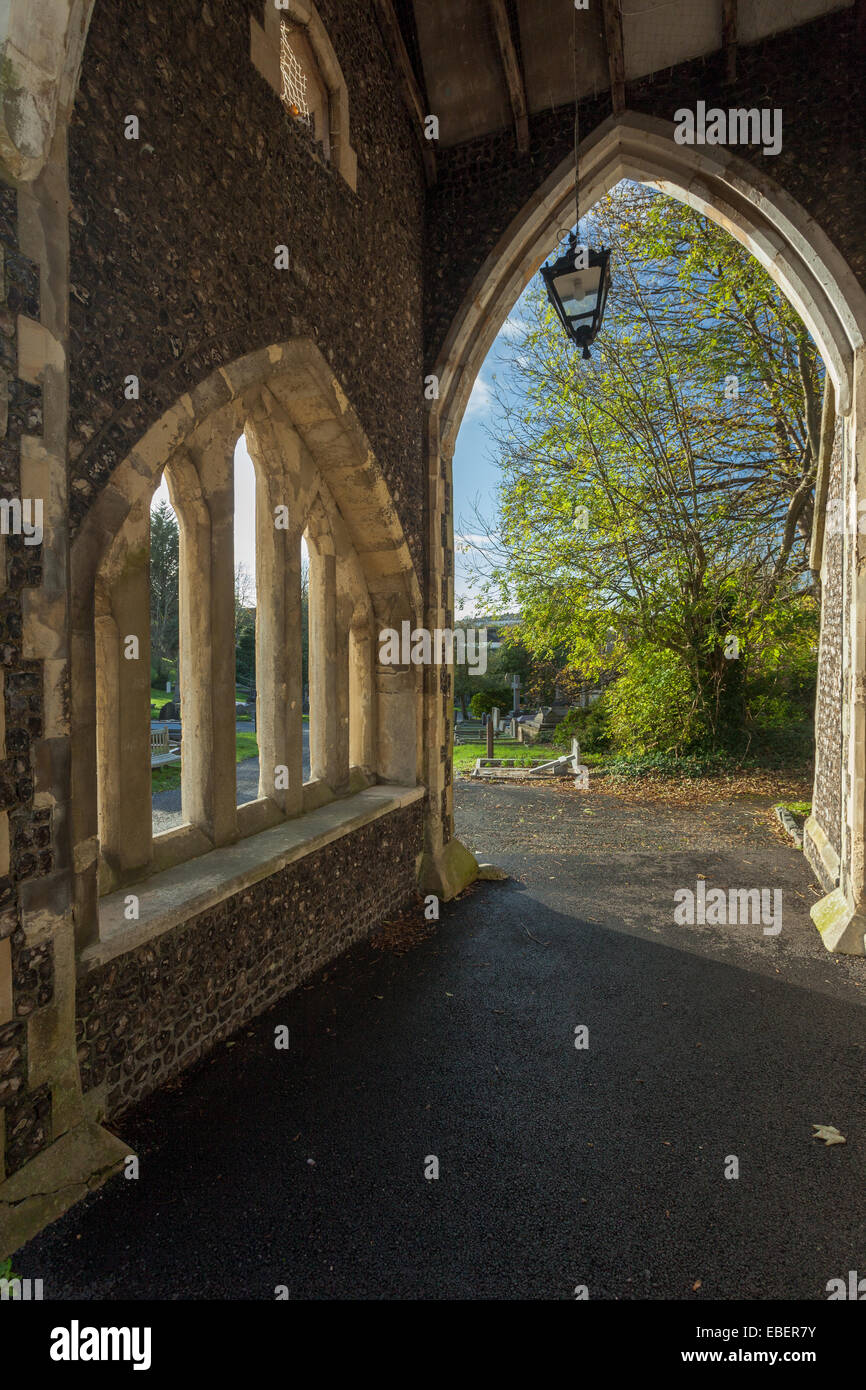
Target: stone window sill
(170,898)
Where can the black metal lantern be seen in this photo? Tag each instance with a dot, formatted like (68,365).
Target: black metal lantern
(577,283)
(577,286)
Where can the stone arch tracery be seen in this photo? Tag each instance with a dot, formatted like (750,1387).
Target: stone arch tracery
(313,465)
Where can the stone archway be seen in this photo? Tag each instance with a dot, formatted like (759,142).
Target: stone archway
(747,203)
(803,261)
(311,453)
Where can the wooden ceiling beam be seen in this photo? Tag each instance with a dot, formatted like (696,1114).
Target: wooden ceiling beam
(513,72)
(612,12)
(413,97)
(729,38)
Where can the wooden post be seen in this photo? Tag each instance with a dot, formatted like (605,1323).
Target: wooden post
(490,735)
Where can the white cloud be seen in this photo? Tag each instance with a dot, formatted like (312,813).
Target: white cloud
(481,399)
(470,548)
(512,328)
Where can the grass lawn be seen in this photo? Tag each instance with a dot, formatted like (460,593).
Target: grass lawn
(466,753)
(523,753)
(789,784)
(167,777)
(246,746)
(158,698)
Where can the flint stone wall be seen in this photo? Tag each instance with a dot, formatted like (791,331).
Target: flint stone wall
(154,1011)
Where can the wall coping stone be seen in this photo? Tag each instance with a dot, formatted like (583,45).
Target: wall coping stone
(173,897)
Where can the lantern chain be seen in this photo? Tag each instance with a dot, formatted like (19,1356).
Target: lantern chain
(576,125)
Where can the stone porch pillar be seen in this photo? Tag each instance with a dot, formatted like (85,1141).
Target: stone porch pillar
(275,449)
(279,715)
(840,916)
(447,866)
(342,694)
(123,708)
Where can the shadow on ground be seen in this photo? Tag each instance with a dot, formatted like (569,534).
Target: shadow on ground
(557,1166)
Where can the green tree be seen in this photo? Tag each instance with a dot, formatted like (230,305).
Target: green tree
(483,701)
(164,579)
(245,628)
(658,498)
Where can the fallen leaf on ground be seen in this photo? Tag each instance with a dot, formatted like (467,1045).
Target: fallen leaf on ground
(829,1133)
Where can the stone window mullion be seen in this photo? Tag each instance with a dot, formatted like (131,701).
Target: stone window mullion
(194,603)
(362,715)
(279,721)
(222,653)
(123,709)
(323,663)
(341,694)
(202,498)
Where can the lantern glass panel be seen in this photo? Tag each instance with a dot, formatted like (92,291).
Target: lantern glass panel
(578,291)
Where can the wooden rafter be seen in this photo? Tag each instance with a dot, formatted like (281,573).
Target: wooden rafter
(413,97)
(513,72)
(612,11)
(729,38)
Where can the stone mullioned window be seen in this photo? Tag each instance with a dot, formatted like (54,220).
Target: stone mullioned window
(292,502)
(317,480)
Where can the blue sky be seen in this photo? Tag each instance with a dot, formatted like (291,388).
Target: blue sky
(476,472)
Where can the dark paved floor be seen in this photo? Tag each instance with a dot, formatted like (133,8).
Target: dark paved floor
(558,1167)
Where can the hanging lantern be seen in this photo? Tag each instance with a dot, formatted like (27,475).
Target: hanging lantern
(577,286)
(577,283)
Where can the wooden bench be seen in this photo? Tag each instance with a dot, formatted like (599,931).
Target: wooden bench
(161,750)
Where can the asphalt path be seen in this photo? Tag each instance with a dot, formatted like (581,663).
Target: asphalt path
(558,1166)
(167,814)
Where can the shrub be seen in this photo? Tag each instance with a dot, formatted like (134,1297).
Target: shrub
(590,726)
(667,764)
(483,701)
(652,705)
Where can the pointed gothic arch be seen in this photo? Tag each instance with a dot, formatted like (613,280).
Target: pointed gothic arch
(800,257)
(314,467)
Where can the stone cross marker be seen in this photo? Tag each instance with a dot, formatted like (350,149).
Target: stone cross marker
(515,686)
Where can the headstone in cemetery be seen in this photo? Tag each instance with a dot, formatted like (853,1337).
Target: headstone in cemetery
(530,729)
(515,686)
